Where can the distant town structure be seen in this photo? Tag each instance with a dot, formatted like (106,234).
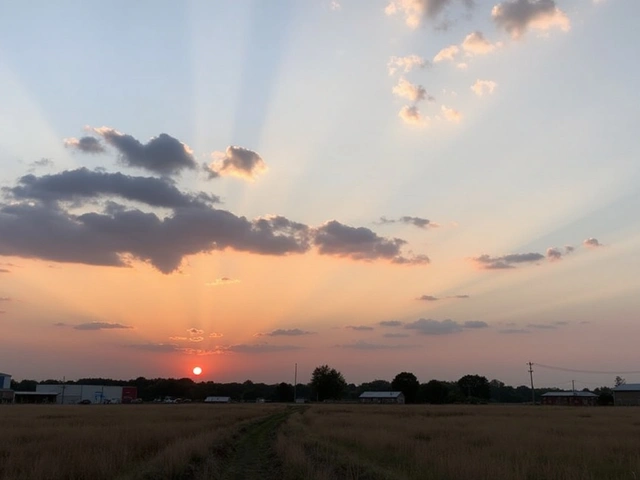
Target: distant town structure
(627,394)
(572,398)
(6,394)
(35,397)
(382,397)
(72,394)
(217,400)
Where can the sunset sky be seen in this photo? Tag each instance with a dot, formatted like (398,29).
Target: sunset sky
(436,186)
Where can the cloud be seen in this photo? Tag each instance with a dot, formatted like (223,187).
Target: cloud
(282,332)
(428,298)
(451,114)
(390,323)
(82,184)
(360,243)
(476,44)
(554,254)
(238,162)
(412,116)
(360,345)
(462,66)
(335,5)
(359,328)
(447,53)
(195,331)
(84,144)
(561,322)
(434,327)
(156,347)
(4,270)
(592,243)
(459,296)
(410,91)
(5,299)
(215,335)
(415,10)
(513,331)
(396,335)
(507,261)
(484,86)
(196,339)
(163,154)
(222,281)
(43,162)
(415,221)
(475,324)
(541,326)
(405,64)
(518,16)
(101,326)
(259,348)
(179,339)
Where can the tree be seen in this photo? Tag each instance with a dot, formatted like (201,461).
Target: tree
(475,386)
(284,392)
(434,391)
(327,383)
(408,384)
(619,381)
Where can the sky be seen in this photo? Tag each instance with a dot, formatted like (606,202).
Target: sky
(437,186)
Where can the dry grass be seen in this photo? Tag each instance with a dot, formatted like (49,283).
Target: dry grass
(461,442)
(116,441)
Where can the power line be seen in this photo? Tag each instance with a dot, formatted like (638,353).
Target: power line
(562,369)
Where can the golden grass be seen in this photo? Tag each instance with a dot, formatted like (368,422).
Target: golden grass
(461,442)
(116,441)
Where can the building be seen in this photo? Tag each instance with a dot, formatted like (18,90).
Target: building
(217,400)
(382,397)
(72,394)
(627,394)
(570,398)
(6,394)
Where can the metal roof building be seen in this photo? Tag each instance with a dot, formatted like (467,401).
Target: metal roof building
(6,394)
(570,398)
(217,400)
(382,397)
(627,394)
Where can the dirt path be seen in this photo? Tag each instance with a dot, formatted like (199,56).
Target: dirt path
(253,455)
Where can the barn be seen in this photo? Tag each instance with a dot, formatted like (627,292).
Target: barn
(570,398)
(382,397)
(627,394)
(72,394)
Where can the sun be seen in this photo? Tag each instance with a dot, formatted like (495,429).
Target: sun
(197,370)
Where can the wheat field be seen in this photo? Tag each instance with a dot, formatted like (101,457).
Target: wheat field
(320,442)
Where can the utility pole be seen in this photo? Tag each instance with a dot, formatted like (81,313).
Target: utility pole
(533,392)
(295,383)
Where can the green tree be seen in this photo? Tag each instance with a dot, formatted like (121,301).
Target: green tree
(284,392)
(434,391)
(327,383)
(619,381)
(408,384)
(475,386)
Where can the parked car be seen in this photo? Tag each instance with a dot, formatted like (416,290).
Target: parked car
(84,402)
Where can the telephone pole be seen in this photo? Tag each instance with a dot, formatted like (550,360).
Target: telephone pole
(295,383)
(533,392)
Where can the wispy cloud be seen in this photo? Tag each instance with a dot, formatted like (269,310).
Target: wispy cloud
(391,323)
(405,64)
(259,348)
(410,91)
(215,335)
(195,331)
(476,44)
(592,243)
(101,326)
(84,144)
(361,345)
(285,332)
(513,331)
(412,116)
(507,261)
(444,327)
(541,326)
(359,328)
(451,114)
(418,222)
(222,281)
(447,53)
(238,162)
(396,335)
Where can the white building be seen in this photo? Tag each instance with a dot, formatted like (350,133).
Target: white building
(217,400)
(6,394)
(72,394)
(382,397)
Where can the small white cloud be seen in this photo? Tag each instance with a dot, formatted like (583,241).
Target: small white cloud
(462,66)
(476,44)
(410,91)
(451,114)
(518,16)
(335,5)
(215,335)
(406,63)
(447,53)
(222,281)
(412,116)
(484,86)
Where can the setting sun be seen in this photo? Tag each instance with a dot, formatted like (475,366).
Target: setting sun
(197,370)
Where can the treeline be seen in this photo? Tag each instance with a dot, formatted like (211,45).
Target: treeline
(326,384)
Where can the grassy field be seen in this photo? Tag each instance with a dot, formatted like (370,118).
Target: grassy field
(133,442)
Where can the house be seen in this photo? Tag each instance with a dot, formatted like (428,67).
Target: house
(217,400)
(570,398)
(627,394)
(382,397)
